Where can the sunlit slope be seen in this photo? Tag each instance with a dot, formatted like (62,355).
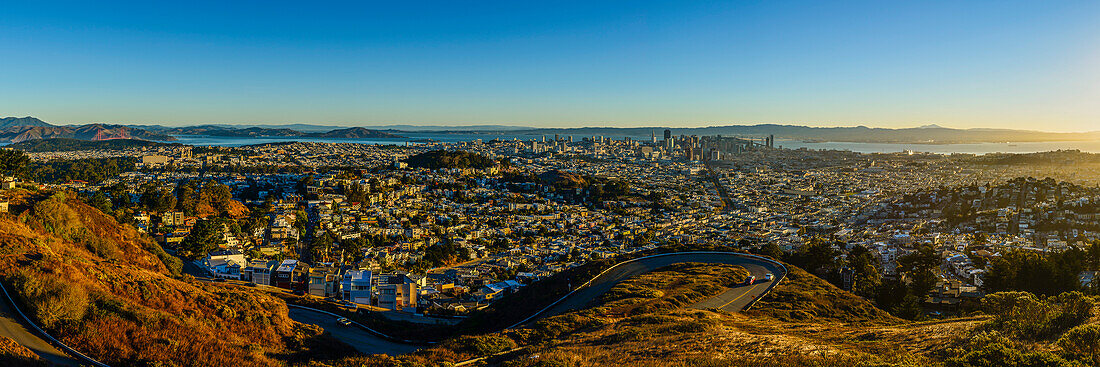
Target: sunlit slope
(108,291)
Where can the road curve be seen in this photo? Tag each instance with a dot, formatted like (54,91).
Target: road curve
(732,300)
(359,339)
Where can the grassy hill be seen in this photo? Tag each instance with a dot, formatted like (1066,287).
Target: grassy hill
(110,292)
(66,144)
(806,321)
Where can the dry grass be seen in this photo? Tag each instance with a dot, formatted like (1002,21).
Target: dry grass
(806,322)
(13,354)
(803,297)
(121,306)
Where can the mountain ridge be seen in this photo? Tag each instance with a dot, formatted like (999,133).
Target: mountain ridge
(7,122)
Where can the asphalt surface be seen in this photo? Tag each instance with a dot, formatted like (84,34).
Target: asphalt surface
(359,339)
(732,300)
(12,327)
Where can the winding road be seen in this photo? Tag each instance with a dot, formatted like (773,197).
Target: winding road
(732,300)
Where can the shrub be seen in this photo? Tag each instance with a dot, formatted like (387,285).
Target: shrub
(56,217)
(1002,355)
(1082,343)
(1026,316)
(483,344)
(50,298)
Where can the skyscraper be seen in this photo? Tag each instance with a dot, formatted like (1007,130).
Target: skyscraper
(668,134)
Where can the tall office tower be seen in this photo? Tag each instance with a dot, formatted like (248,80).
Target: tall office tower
(771,141)
(668,134)
(652,136)
(570,138)
(557,138)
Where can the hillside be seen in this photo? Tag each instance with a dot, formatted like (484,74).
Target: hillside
(17,134)
(355,133)
(258,132)
(111,293)
(65,144)
(806,321)
(7,122)
(225,131)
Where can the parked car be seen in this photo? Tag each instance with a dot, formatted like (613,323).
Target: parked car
(351,305)
(343,321)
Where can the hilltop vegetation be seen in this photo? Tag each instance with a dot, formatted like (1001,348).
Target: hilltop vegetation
(437,159)
(804,297)
(108,291)
(66,144)
(808,322)
(7,122)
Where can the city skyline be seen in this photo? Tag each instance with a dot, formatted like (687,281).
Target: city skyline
(1013,65)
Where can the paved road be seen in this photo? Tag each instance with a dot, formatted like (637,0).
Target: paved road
(12,327)
(732,300)
(360,339)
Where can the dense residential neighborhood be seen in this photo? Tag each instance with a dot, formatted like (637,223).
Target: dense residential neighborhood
(447,228)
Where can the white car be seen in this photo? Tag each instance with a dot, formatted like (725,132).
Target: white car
(768,277)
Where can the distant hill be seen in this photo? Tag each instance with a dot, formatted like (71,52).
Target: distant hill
(355,133)
(7,122)
(311,128)
(66,144)
(17,134)
(259,132)
(224,131)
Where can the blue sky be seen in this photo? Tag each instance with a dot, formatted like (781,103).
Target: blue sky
(1012,64)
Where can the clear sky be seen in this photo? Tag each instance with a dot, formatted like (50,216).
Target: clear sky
(1011,64)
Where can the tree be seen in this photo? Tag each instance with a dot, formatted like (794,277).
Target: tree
(355,193)
(818,257)
(304,184)
(203,239)
(321,245)
(216,195)
(188,199)
(100,201)
(13,162)
(867,277)
(772,250)
(1082,343)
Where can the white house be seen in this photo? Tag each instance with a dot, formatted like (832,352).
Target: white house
(356,286)
(225,263)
